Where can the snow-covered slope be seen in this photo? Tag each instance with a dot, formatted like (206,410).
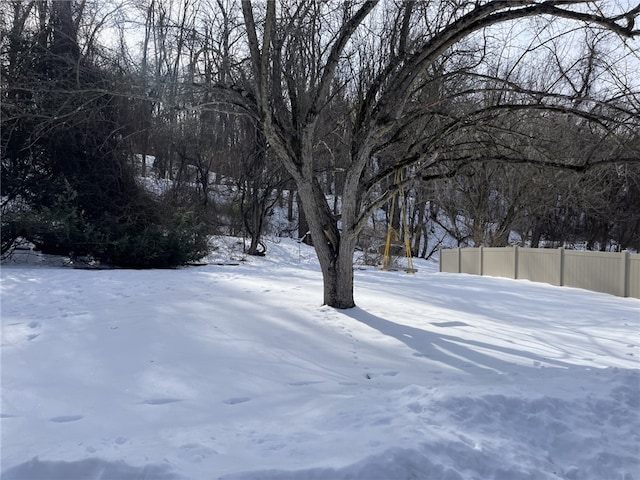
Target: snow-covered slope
(238,372)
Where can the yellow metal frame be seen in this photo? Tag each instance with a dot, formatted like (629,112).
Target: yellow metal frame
(392,232)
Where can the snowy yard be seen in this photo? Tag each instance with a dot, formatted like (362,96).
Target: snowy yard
(237,372)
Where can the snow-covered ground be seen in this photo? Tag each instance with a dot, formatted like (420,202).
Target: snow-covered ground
(238,372)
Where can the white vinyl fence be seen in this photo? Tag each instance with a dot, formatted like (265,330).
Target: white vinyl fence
(607,272)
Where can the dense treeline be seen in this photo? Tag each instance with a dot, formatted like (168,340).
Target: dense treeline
(67,179)
(97,96)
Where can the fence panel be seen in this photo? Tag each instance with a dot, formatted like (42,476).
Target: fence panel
(449,260)
(596,271)
(633,276)
(540,265)
(606,272)
(499,262)
(470,261)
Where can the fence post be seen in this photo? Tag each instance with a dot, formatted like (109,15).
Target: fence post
(481,255)
(561,254)
(459,260)
(625,273)
(515,262)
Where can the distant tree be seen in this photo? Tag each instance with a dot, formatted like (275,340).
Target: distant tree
(599,209)
(261,182)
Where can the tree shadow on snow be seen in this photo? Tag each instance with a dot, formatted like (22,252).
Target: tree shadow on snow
(453,351)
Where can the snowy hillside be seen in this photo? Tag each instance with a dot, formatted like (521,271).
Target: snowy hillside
(238,372)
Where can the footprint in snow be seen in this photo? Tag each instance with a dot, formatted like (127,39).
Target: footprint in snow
(160,401)
(195,452)
(391,373)
(66,418)
(415,407)
(236,400)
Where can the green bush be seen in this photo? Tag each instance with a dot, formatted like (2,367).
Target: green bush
(145,235)
(178,240)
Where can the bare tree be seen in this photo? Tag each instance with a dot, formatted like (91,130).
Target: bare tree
(260,184)
(303,53)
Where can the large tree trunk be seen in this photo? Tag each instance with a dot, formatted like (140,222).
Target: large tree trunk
(338,280)
(333,248)
(337,276)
